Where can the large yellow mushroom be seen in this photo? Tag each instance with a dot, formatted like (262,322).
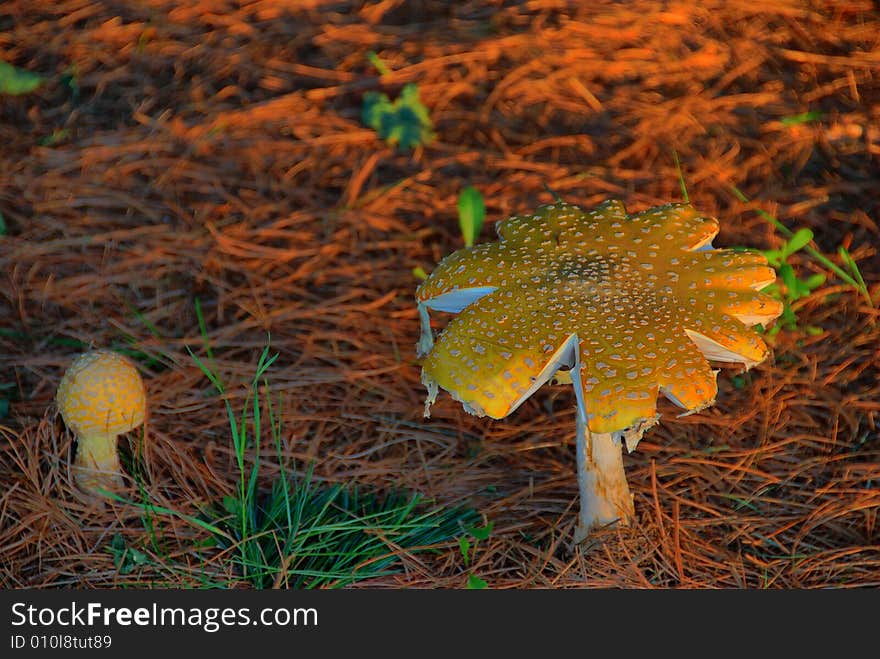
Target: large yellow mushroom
(632,306)
(100,397)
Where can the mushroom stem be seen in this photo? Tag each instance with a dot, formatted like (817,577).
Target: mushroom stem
(605,495)
(97,463)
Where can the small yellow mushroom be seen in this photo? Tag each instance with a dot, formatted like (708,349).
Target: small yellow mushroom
(100,397)
(633,306)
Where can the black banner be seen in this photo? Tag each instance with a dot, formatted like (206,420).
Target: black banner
(405,623)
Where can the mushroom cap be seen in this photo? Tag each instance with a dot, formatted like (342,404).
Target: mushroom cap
(101,393)
(633,305)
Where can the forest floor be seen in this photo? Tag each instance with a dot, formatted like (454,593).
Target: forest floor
(192,182)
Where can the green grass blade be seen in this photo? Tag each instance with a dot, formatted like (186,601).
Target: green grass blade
(802,118)
(850,262)
(203,330)
(556,197)
(684,190)
(150,508)
(377,62)
(799,240)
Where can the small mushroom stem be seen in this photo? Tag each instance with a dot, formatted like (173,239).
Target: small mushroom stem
(96,464)
(605,495)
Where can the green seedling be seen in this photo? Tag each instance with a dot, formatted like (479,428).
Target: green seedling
(792,288)
(2,225)
(405,122)
(799,239)
(852,278)
(466,547)
(15,81)
(789,288)
(475,583)
(471,214)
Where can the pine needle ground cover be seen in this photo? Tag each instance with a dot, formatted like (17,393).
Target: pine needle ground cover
(194,185)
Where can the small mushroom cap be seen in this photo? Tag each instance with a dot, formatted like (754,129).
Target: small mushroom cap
(101,393)
(634,305)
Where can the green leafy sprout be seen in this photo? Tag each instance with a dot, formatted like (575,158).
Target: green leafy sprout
(466,547)
(852,278)
(471,214)
(15,81)
(793,288)
(405,122)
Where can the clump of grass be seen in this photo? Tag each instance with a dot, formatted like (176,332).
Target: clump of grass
(299,534)
(307,535)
